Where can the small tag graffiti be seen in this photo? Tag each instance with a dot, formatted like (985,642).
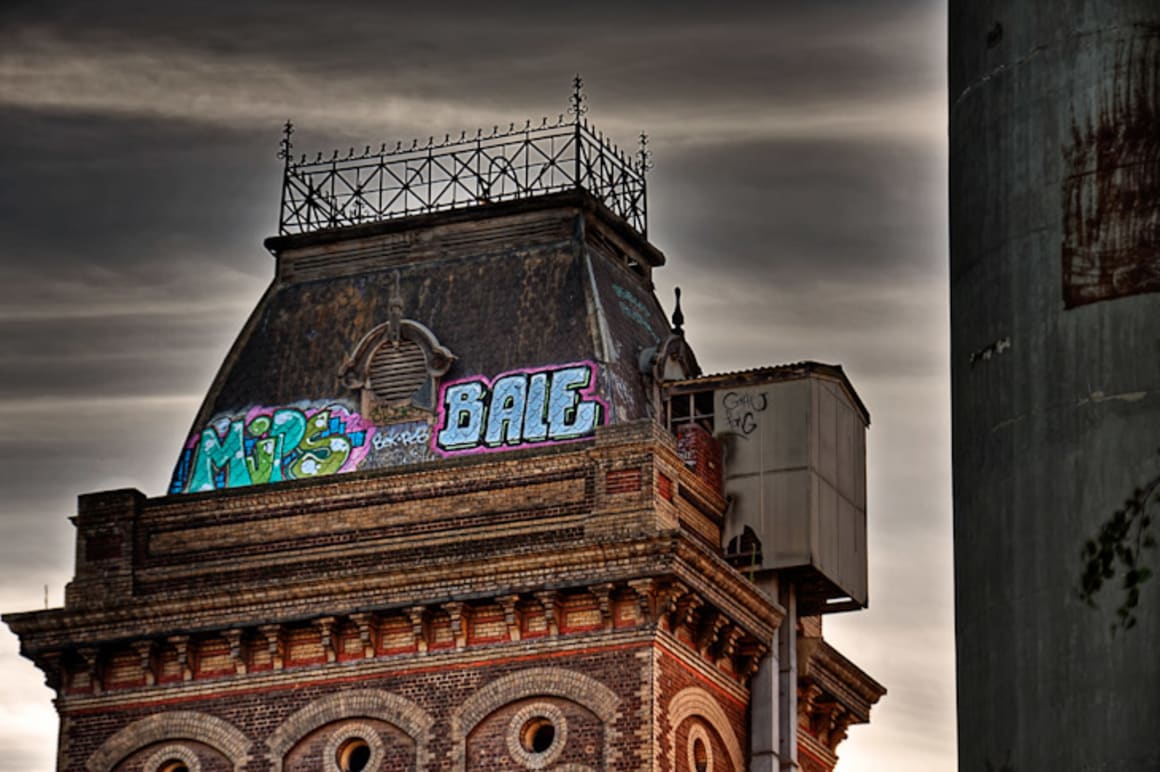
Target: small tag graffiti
(271,444)
(403,443)
(518,408)
(741,411)
(635,309)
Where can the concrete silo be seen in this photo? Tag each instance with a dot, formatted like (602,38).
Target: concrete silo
(1055,317)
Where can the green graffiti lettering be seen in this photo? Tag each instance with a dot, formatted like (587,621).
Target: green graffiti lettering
(321,454)
(262,460)
(214,454)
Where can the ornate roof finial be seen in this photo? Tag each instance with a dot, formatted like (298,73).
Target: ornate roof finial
(285,145)
(644,160)
(579,102)
(395,310)
(678,316)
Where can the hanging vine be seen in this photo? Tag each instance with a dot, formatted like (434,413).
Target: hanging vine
(1118,550)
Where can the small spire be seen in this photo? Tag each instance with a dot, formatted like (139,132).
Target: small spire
(285,145)
(395,310)
(644,160)
(579,101)
(678,317)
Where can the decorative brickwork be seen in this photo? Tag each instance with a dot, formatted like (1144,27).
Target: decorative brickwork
(693,701)
(170,753)
(353,704)
(197,757)
(697,742)
(167,727)
(833,693)
(324,748)
(536,682)
(528,727)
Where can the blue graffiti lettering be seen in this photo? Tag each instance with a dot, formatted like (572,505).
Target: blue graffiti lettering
(463,419)
(519,408)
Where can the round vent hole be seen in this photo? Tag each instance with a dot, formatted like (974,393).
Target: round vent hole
(354,755)
(537,735)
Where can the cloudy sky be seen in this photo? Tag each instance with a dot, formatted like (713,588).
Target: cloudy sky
(799,194)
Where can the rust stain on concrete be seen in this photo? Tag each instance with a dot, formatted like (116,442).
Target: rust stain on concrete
(1111,187)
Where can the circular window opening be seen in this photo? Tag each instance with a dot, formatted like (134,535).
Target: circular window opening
(173,765)
(537,735)
(354,755)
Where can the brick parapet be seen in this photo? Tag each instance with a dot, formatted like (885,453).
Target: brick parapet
(106,537)
(450,534)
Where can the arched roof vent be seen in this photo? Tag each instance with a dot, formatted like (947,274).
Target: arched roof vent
(397,365)
(396,370)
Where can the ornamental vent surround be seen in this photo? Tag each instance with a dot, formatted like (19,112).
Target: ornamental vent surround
(397,365)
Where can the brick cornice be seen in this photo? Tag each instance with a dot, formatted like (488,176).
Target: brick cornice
(840,679)
(355,672)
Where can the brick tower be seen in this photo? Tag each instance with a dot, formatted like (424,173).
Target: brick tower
(460,499)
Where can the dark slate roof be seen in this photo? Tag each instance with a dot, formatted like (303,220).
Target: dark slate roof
(506,288)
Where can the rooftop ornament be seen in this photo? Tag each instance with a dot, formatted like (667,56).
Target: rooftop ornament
(501,165)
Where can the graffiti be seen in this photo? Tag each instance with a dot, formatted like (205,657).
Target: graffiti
(521,407)
(741,411)
(634,308)
(271,444)
(404,443)
(258,445)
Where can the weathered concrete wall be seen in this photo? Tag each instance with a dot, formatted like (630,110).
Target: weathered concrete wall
(1055,306)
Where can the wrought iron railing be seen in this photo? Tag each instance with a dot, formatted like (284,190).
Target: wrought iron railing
(519,162)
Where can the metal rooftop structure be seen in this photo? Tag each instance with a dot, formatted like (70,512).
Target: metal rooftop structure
(500,165)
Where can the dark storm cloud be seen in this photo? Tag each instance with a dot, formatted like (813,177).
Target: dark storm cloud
(131,251)
(866,44)
(645,61)
(134,355)
(801,211)
(150,196)
(110,442)
(89,191)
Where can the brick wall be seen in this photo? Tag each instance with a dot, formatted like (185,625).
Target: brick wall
(424,611)
(597,694)
(691,694)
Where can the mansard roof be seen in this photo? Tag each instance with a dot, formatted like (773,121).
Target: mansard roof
(516,286)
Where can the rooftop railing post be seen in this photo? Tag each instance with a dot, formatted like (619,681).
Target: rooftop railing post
(285,147)
(577,108)
(577,152)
